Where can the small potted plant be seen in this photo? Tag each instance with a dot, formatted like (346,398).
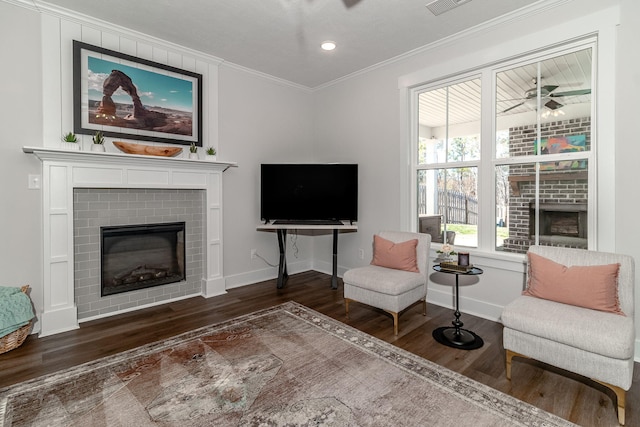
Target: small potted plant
(193,151)
(211,154)
(446,252)
(98,142)
(70,141)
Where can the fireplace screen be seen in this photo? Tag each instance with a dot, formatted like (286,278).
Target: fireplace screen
(141,256)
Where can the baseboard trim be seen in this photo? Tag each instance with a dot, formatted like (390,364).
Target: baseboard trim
(470,306)
(262,275)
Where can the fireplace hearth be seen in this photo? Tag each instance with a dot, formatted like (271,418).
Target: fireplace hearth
(141,256)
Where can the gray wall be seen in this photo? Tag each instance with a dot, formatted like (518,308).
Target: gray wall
(21,122)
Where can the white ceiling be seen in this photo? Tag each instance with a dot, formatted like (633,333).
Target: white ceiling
(282,38)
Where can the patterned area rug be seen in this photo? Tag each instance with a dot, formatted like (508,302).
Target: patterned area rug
(284,366)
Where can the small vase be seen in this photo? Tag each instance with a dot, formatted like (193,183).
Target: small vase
(97,147)
(193,156)
(211,157)
(75,146)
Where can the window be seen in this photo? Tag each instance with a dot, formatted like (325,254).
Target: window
(506,171)
(448,160)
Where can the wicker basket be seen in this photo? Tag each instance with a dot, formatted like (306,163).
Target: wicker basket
(17,337)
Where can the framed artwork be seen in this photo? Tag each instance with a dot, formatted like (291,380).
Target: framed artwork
(562,144)
(134,98)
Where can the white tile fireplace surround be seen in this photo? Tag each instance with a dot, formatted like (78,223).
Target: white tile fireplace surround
(63,171)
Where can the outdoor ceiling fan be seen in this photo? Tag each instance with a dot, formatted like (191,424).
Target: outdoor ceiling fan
(547,94)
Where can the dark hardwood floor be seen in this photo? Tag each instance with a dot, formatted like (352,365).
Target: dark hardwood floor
(577,399)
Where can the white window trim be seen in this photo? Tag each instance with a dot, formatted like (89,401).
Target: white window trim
(601,26)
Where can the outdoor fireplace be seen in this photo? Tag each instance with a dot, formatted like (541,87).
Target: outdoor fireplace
(560,222)
(141,256)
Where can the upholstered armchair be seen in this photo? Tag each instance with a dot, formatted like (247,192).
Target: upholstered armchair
(577,313)
(397,277)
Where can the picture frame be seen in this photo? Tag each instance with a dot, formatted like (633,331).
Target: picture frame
(463,259)
(133,98)
(562,144)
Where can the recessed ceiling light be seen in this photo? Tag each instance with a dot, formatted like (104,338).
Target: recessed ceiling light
(328,45)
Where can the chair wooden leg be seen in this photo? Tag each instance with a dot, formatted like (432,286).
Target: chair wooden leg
(622,401)
(395,315)
(621,396)
(424,307)
(395,322)
(508,356)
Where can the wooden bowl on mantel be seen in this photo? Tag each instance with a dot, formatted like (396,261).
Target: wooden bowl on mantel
(149,150)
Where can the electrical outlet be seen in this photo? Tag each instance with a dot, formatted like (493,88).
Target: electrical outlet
(361,253)
(254,253)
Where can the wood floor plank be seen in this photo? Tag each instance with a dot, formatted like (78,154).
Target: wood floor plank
(567,395)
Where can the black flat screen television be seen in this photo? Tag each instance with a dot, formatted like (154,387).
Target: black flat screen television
(309,192)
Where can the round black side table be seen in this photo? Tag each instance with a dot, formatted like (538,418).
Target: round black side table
(455,336)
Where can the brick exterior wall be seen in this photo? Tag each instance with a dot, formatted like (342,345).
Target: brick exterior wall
(94,208)
(552,191)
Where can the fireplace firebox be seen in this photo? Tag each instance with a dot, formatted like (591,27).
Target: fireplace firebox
(134,257)
(566,222)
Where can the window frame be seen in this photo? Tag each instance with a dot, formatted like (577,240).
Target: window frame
(445,164)
(488,130)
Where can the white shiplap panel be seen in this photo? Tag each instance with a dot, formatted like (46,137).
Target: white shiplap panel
(188,63)
(58,80)
(51,60)
(128,46)
(91,35)
(209,103)
(202,68)
(68,31)
(144,51)
(175,60)
(110,41)
(160,55)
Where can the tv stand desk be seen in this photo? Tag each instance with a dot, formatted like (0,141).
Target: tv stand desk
(307,229)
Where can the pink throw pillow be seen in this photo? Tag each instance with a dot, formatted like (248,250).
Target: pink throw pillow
(400,256)
(594,286)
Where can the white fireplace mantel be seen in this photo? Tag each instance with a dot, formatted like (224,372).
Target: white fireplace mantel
(64,170)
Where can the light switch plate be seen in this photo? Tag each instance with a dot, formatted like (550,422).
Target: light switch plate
(34,182)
